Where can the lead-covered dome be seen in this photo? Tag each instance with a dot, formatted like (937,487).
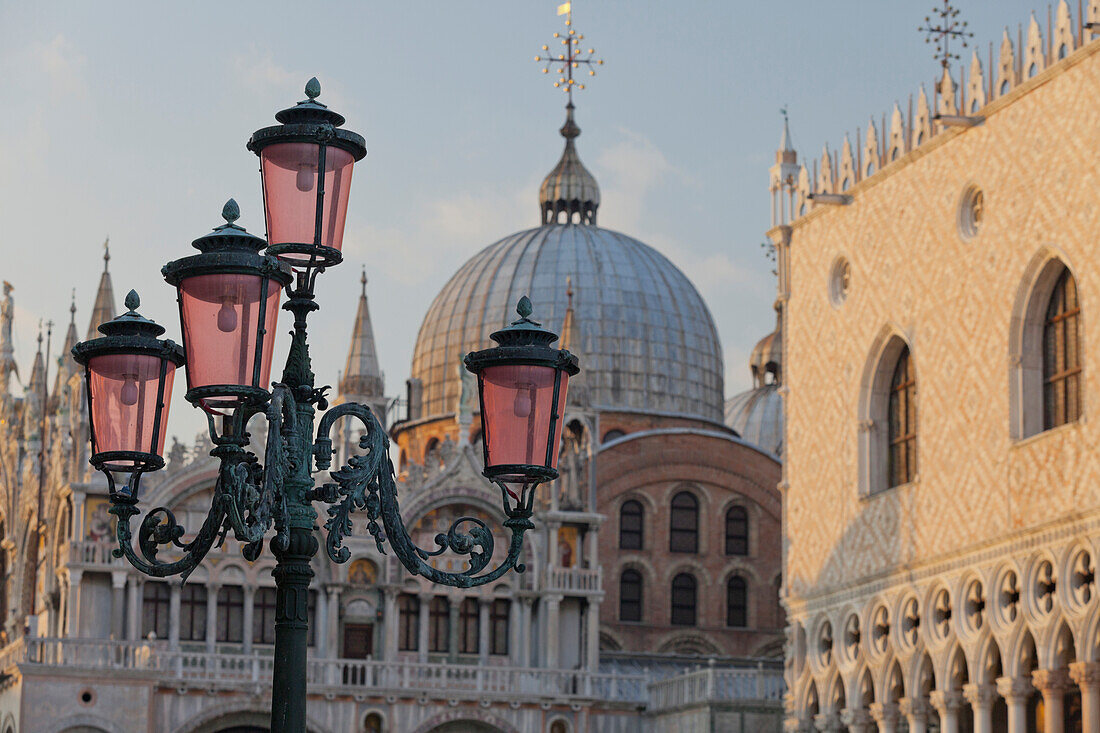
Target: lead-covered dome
(645,338)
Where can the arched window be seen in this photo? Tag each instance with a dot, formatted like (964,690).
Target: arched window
(737,531)
(683,600)
(439,625)
(193,612)
(263,616)
(902,422)
(498,626)
(372,723)
(231,614)
(630,596)
(408,639)
(1062,355)
(737,602)
(631,516)
(154,609)
(683,523)
(468,631)
(611,435)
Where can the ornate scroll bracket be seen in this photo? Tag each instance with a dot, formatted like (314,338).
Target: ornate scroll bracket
(367,483)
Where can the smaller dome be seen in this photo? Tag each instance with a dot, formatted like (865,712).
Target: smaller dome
(569,189)
(757,416)
(767,359)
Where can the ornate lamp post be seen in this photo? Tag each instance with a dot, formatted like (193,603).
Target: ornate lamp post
(228,300)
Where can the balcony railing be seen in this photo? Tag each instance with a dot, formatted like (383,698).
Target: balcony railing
(92,552)
(400,678)
(716,684)
(574,580)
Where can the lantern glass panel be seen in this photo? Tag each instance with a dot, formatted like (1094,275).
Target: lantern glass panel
(220,314)
(518,399)
(123,389)
(290,194)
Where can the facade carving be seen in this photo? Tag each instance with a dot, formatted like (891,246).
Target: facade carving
(946,578)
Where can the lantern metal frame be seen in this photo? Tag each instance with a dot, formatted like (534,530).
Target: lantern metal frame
(250,499)
(129,334)
(314,123)
(524,342)
(230,250)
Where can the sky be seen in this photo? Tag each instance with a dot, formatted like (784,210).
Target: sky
(129,120)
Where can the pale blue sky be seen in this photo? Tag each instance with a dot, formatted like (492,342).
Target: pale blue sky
(130,118)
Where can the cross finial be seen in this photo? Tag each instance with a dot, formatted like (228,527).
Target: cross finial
(72,308)
(947,27)
(106,252)
(363,280)
(570,58)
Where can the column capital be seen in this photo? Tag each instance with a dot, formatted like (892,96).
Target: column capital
(1014,689)
(390,592)
(1085,674)
(945,701)
(484,601)
(425,596)
(885,712)
(118,577)
(855,718)
(553,598)
(914,708)
(1052,681)
(979,696)
(825,722)
(794,724)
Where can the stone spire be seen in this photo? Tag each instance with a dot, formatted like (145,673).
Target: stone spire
(783,177)
(104,308)
(32,404)
(65,364)
(569,192)
(362,379)
(567,326)
(7,347)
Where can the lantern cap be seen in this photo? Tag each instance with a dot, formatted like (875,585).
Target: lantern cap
(309,121)
(131,322)
(129,333)
(230,235)
(524,332)
(309,109)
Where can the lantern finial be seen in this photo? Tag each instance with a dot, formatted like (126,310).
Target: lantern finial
(313,88)
(231,211)
(132,301)
(524,307)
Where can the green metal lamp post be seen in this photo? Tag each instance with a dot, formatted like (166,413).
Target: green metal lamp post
(229,298)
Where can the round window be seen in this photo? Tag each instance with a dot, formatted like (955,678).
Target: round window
(971,211)
(840,281)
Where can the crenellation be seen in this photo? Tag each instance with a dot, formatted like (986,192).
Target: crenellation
(963,93)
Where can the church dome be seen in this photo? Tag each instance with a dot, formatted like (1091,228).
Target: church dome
(757,414)
(645,338)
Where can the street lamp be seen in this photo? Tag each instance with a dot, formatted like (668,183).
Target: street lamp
(228,298)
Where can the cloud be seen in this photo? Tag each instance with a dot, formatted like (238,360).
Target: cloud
(633,169)
(63,65)
(449,231)
(257,72)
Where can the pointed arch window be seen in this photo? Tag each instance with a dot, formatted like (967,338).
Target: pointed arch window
(631,518)
(1062,355)
(630,595)
(683,530)
(902,422)
(737,531)
(737,602)
(683,600)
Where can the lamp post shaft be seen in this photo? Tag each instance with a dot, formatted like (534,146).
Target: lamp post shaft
(293,573)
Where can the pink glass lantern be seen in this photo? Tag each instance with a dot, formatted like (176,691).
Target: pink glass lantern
(129,374)
(229,305)
(306,164)
(523,384)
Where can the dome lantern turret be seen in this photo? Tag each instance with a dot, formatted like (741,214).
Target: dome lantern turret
(569,193)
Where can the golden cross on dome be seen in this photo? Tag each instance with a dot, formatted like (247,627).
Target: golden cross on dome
(948,27)
(569,58)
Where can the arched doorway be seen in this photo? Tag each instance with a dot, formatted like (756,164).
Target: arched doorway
(465,726)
